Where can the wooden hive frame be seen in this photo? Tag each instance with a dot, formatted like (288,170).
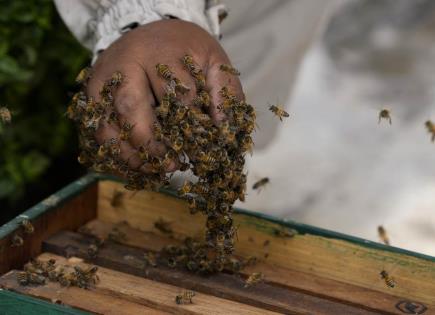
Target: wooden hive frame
(315,267)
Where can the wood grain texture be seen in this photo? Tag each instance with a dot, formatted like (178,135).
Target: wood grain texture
(86,300)
(70,215)
(264,295)
(294,280)
(335,259)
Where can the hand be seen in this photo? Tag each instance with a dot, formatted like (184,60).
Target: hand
(135,55)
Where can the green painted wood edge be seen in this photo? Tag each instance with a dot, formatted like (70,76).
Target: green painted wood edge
(12,303)
(53,201)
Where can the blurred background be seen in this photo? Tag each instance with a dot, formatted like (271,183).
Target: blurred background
(370,54)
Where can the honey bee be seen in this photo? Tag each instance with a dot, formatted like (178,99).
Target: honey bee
(27,226)
(170,157)
(113,118)
(117,236)
(202,99)
(188,63)
(150,259)
(199,80)
(5,115)
(261,183)
(163,108)
(383,235)
(92,251)
(163,226)
(102,152)
(158,132)
(226,131)
(22,278)
(177,145)
(180,113)
(186,188)
(83,75)
(17,241)
(254,278)
(67,280)
(86,277)
(36,279)
(389,281)
(125,131)
(164,71)
(186,128)
(180,87)
(385,114)
(185,297)
(116,78)
(431,129)
(247,144)
(284,232)
(206,157)
(278,111)
(229,69)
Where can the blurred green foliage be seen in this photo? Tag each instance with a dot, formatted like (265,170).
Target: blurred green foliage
(39,59)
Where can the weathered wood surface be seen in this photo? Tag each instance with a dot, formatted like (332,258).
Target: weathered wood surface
(268,296)
(69,215)
(294,280)
(335,259)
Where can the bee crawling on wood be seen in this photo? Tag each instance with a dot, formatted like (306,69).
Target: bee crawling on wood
(261,183)
(22,278)
(117,236)
(383,235)
(150,259)
(389,281)
(284,232)
(185,297)
(229,69)
(5,115)
(385,114)
(86,277)
(278,111)
(254,278)
(163,226)
(17,241)
(430,126)
(27,226)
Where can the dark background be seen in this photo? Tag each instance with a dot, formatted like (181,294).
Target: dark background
(39,60)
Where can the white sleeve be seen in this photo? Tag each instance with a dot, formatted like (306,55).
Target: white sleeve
(98,23)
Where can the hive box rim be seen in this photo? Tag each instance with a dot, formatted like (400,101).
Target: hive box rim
(76,187)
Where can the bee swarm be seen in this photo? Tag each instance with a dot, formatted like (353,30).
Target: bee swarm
(215,154)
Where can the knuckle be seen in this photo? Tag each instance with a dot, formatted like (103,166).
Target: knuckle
(127,103)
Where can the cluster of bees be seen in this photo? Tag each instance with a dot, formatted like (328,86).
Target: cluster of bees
(27,229)
(38,272)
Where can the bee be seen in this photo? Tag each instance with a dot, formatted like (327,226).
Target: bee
(83,75)
(385,114)
(278,111)
(254,278)
(163,226)
(27,226)
(284,232)
(186,188)
(206,157)
(92,251)
(5,115)
(389,281)
(185,297)
(116,78)
(199,80)
(431,129)
(150,259)
(113,118)
(246,144)
(164,71)
(23,278)
(202,99)
(180,87)
(229,69)
(169,158)
(383,235)
(125,131)
(186,128)
(17,241)
(180,113)
(102,152)
(86,277)
(261,183)
(163,108)
(36,278)
(226,131)
(117,236)
(158,131)
(188,63)
(67,280)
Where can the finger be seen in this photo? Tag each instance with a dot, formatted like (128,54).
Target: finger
(216,79)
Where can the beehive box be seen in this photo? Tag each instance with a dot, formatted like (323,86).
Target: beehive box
(314,272)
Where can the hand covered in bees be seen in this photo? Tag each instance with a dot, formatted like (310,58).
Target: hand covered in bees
(135,55)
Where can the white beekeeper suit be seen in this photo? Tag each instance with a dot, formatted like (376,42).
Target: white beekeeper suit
(330,164)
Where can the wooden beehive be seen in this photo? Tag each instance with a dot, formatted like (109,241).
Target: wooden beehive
(314,272)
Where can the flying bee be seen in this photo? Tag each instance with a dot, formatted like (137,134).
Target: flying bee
(383,235)
(254,278)
(126,131)
(229,69)
(17,241)
(83,75)
(430,126)
(261,183)
(389,281)
(202,99)
(164,71)
(385,114)
(186,188)
(278,111)
(185,297)
(5,115)
(27,226)
(116,78)
(163,226)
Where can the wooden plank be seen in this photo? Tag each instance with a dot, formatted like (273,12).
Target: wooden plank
(263,295)
(336,259)
(12,303)
(87,300)
(295,280)
(58,216)
(159,295)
